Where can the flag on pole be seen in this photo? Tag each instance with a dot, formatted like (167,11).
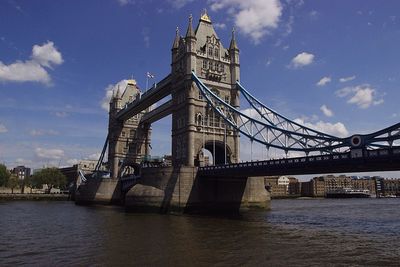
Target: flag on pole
(149,75)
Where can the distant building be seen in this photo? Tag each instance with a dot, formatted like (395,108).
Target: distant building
(282,186)
(319,186)
(391,187)
(22,172)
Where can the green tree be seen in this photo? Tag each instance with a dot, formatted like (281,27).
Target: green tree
(13,182)
(4,175)
(31,183)
(52,177)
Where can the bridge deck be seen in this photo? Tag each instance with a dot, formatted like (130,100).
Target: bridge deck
(376,160)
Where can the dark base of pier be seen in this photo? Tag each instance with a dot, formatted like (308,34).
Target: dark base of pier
(179,189)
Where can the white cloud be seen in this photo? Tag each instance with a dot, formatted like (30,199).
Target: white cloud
(327,112)
(28,71)
(110,89)
(32,70)
(347,79)
(46,54)
(41,132)
(72,161)
(324,81)
(61,114)
(125,2)
(302,59)
(49,153)
(219,25)
(3,128)
(336,129)
(179,3)
(94,156)
(254,18)
(21,161)
(361,95)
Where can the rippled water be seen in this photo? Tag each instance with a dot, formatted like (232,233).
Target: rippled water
(326,232)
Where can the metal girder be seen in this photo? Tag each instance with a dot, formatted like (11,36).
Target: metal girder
(274,130)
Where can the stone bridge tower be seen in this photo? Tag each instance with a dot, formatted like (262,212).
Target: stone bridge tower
(129,140)
(194,125)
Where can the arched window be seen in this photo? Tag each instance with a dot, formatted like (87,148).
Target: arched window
(199,119)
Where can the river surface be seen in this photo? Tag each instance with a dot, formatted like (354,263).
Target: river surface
(316,232)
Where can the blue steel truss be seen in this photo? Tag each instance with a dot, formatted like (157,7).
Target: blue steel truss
(274,130)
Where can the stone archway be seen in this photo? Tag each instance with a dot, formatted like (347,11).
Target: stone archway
(218,151)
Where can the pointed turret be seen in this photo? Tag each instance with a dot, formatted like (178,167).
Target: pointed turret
(233,45)
(190,32)
(176,40)
(235,64)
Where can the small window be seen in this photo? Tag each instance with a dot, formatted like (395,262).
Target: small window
(210,51)
(200,96)
(205,64)
(132,133)
(123,134)
(216,66)
(222,67)
(210,65)
(216,52)
(226,99)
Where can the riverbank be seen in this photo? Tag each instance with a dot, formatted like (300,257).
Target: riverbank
(9,196)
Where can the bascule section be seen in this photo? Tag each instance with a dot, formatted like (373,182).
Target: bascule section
(196,127)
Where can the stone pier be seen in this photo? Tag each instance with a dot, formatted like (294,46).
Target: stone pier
(179,189)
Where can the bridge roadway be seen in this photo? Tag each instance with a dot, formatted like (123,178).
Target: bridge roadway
(151,96)
(372,160)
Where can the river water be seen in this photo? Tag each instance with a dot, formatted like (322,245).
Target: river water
(317,232)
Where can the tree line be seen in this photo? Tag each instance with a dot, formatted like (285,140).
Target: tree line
(52,177)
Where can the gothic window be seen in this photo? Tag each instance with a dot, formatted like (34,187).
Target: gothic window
(210,51)
(198,119)
(205,64)
(216,52)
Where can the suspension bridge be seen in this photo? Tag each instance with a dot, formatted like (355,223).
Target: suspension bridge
(202,93)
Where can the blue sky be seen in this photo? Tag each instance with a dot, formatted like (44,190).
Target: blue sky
(333,65)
